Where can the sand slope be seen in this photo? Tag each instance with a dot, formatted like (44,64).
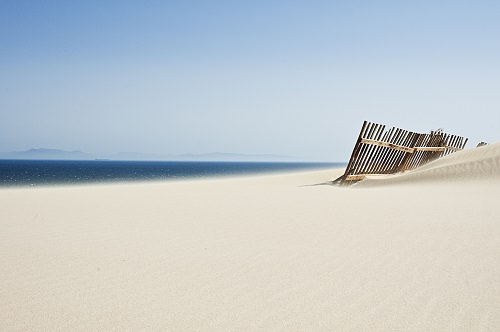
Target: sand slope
(258,253)
(475,164)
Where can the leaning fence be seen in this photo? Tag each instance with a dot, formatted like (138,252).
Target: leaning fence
(378,151)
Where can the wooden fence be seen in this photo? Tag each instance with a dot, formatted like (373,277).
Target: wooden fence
(384,152)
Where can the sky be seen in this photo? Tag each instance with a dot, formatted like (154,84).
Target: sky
(292,78)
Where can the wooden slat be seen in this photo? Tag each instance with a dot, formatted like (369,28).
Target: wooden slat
(409,150)
(395,154)
(407,157)
(386,144)
(355,177)
(355,152)
(385,153)
(367,149)
(376,153)
(430,148)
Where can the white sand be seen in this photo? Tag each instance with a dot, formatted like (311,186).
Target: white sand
(418,252)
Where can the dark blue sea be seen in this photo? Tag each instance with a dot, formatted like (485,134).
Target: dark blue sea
(50,172)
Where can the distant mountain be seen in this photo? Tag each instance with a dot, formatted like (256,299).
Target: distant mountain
(56,154)
(43,153)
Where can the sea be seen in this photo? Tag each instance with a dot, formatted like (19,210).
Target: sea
(70,172)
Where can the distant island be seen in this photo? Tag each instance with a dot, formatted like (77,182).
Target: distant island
(44,153)
(57,154)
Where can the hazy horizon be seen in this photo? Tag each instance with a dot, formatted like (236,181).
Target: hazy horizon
(57,154)
(291,78)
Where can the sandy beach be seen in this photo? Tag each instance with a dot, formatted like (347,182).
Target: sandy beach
(284,252)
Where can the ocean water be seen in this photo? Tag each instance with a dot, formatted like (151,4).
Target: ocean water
(49,172)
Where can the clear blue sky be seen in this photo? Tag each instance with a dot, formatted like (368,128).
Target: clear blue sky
(279,77)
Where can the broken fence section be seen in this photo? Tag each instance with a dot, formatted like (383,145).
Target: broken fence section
(385,152)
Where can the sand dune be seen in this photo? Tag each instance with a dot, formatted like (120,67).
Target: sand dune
(474,164)
(266,253)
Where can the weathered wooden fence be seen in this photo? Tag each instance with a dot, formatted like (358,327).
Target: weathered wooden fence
(384,152)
